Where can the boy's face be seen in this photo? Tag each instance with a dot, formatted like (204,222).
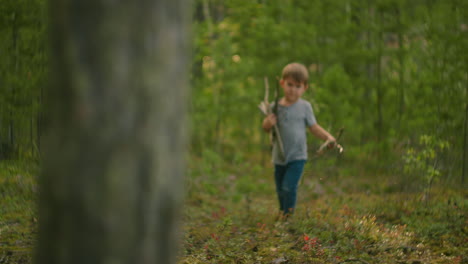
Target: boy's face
(293,89)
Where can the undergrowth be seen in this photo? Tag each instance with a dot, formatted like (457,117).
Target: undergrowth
(343,216)
(231,216)
(18,191)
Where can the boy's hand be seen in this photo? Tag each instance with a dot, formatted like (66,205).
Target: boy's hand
(269,122)
(271,119)
(331,142)
(328,144)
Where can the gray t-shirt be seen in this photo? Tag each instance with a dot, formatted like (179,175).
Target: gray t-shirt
(293,122)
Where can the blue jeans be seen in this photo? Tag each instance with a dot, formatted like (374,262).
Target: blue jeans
(287,179)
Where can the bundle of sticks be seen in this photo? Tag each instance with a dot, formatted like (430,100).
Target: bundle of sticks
(266,110)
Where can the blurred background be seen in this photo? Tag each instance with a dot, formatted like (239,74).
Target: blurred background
(392,73)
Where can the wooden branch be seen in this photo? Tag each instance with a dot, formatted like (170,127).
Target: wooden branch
(275,107)
(326,144)
(263,108)
(266,110)
(275,111)
(267,89)
(280,141)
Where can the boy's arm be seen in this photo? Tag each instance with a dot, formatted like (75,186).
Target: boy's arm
(321,133)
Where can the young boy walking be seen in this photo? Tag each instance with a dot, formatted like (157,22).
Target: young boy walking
(294,117)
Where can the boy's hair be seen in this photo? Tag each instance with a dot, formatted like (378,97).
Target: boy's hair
(296,71)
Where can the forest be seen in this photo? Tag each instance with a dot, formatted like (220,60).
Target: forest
(392,75)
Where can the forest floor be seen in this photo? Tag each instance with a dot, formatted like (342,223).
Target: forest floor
(341,217)
(230,216)
(18,212)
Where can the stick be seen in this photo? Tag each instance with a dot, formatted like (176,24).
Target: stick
(275,108)
(275,111)
(267,89)
(320,151)
(266,110)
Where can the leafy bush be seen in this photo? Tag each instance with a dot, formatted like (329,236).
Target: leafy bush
(422,161)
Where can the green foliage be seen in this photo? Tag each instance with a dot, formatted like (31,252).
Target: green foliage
(379,69)
(22,75)
(334,101)
(423,161)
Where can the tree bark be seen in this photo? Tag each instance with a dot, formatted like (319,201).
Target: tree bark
(111,186)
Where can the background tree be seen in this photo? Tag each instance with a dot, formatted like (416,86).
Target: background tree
(111,185)
(22,74)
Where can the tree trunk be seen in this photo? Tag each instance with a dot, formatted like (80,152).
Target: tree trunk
(111,186)
(379,88)
(11,126)
(401,69)
(370,73)
(465,141)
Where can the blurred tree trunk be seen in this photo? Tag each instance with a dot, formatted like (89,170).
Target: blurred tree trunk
(465,141)
(401,67)
(11,126)
(379,86)
(370,70)
(111,186)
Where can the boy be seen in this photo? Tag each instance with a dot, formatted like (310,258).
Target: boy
(295,115)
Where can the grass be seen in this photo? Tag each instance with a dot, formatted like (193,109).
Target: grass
(343,215)
(18,212)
